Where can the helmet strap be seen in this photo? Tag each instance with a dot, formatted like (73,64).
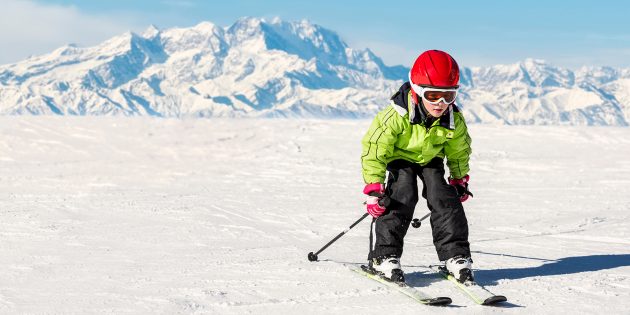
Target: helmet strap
(414,97)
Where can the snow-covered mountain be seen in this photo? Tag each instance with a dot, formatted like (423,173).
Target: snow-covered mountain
(534,92)
(257,67)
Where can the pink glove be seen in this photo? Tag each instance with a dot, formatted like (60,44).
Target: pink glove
(461,185)
(375,192)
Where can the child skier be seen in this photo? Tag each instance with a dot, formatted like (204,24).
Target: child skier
(410,139)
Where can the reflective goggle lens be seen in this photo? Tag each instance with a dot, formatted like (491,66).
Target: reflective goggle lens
(435,96)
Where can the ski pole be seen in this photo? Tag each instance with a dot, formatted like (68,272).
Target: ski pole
(385,202)
(313,257)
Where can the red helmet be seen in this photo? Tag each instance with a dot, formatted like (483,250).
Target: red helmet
(435,68)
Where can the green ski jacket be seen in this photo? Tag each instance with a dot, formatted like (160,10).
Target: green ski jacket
(403,131)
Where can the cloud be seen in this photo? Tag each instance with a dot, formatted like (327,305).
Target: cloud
(29,28)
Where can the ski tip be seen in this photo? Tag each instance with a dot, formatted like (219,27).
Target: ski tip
(438,301)
(494,300)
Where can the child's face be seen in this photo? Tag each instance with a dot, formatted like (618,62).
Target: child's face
(435,110)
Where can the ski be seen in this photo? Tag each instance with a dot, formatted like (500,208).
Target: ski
(404,288)
(474,291)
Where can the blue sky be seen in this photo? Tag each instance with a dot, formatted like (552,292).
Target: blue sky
(477,33)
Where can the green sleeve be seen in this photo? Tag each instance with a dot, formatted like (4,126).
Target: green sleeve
(378,145)
(457,150)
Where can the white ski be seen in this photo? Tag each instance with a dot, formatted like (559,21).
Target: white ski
(404,288)
(474,291)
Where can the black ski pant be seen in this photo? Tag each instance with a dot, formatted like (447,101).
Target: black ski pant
(448,220)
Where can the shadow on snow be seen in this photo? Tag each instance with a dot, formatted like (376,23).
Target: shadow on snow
(568,265)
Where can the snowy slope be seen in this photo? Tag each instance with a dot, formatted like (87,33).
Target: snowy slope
(142,215)
(273,68)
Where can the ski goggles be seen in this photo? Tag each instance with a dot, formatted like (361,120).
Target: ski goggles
(435,95)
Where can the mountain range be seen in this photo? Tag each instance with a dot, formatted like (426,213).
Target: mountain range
(274,68)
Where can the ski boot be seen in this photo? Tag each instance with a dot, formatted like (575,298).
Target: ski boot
(461,268)
(388,268)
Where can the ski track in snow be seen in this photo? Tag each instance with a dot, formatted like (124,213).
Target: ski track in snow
(143,215)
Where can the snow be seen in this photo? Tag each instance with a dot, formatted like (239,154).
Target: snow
(573,98)
(145,215)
